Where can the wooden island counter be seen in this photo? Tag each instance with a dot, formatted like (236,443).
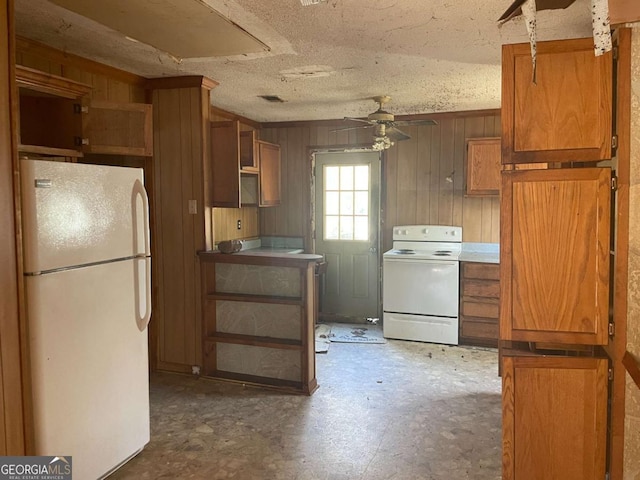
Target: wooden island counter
(259,318)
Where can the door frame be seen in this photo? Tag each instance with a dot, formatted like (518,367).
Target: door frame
(312,151)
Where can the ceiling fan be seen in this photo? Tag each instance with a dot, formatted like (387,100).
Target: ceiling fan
(385,131)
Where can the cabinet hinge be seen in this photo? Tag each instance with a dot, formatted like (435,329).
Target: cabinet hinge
(614,184)
(77,108)
(615,53)
(614,141)
(612,329)
(610,374)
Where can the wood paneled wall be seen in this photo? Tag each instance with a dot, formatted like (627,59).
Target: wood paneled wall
(415,187)
(180,175)
(12,413)
(225,223)
(109,84)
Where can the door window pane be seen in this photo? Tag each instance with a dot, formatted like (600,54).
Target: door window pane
(361,206)
(346,178)
(331,203)
(332,178)
(346,203)
(362,177)
(346,206)
(331,228)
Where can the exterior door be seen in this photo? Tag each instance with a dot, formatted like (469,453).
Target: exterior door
(347,226)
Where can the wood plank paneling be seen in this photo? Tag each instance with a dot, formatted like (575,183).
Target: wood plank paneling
(415,189)
(12,414)
(109,84)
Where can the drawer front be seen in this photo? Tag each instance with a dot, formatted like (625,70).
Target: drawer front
(481,288)
(480,309)
(479,329)
(487,271)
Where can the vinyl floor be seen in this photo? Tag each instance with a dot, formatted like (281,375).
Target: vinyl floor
(400,410)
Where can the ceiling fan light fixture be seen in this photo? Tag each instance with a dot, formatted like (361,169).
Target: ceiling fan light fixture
(382,143)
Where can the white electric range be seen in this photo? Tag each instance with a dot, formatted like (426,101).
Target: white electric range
(420,284)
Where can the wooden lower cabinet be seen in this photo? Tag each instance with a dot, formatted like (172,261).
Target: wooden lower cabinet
(479,304)
(554,417)
(258,319)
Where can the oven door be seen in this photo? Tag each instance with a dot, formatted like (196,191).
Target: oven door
(421,287)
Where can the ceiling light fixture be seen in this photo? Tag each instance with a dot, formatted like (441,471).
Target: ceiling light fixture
(306,3)
(382,143)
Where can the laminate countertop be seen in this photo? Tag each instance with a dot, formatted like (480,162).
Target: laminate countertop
(480,252)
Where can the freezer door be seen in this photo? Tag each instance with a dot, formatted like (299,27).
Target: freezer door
(89,366)
(76,214)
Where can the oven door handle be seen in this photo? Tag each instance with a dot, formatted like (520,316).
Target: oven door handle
(421,261)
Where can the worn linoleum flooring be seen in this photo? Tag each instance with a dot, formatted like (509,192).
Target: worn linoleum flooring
(401,410)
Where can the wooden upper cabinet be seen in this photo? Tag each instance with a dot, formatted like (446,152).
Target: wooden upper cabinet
(245,171)
(56,118)
(554,418)
(483,166)
(270,183)
(249,151)
(225,164)
(554,245)
(566,115)
(118,128)
(49,123)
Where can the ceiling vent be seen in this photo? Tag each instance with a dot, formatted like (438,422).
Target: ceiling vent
(272,98)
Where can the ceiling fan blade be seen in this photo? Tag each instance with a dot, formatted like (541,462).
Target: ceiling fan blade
(406,123)
(396,135)
(343,129)
(357,120)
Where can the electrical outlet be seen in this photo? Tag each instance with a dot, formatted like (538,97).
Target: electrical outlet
(193,207)
(239,224)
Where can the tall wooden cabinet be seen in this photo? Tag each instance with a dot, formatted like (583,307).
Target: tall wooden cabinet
(555,261)
(181,217)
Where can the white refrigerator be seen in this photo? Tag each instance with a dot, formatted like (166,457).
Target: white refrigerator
(87,277)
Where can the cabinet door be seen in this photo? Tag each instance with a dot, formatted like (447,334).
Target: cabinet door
(555,255)
(269,174)
(483,166)
(554,418)
(118,128)
(566,115)
(248,151)
(225,164)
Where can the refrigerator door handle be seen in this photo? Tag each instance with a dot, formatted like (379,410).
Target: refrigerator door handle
(143,307)
(139,193)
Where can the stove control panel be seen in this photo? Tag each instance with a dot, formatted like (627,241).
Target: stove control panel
(428,233)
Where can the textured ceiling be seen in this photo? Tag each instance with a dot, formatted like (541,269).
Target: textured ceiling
(327,60)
